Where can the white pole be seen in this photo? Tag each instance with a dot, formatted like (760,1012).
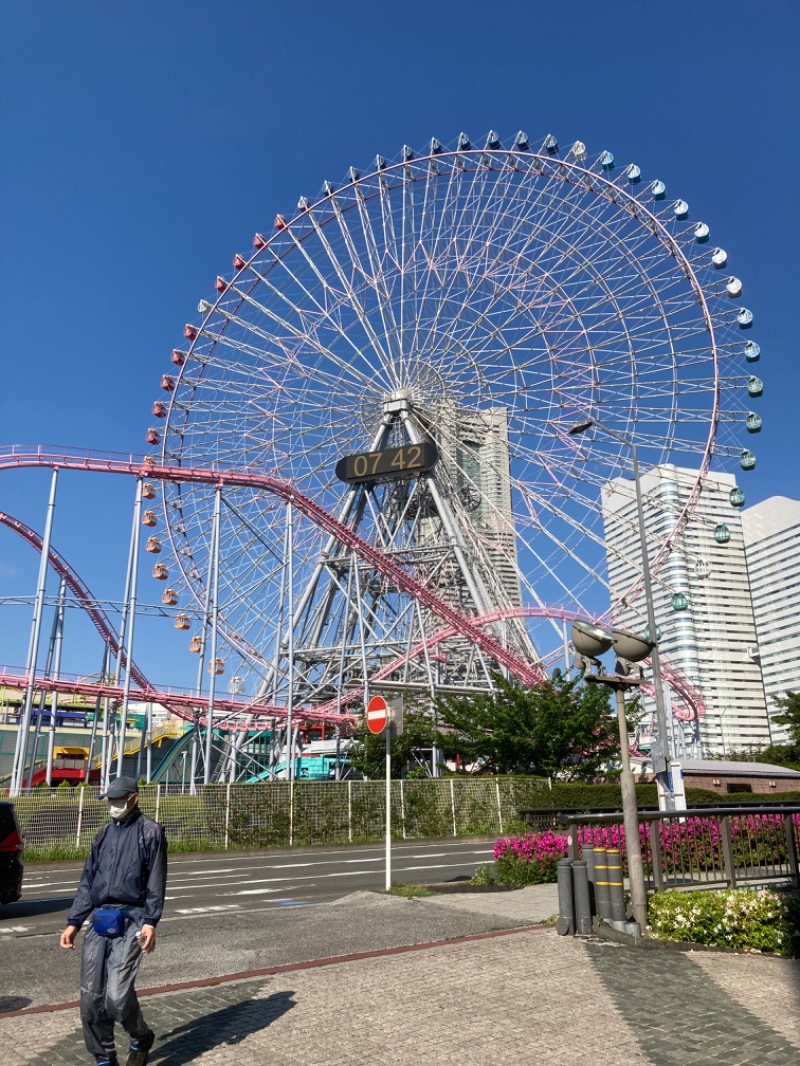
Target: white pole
(80,817)
(131,608)
(23,728)
(58,618)
(388,730)
(214,568)
(149,761)
(290,665)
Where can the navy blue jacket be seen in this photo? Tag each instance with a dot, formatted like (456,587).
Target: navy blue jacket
(127,864)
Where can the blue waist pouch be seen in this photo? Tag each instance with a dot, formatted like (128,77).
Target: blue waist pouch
(110,921)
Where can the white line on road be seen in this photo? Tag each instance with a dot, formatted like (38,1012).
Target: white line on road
(209,910)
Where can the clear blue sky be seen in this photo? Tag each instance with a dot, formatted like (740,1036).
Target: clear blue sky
(144,143)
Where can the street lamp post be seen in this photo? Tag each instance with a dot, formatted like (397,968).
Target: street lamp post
(661,714)
(590,641)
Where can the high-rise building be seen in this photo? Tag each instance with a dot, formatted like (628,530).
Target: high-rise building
(474,475)
(701,595)
(772,545)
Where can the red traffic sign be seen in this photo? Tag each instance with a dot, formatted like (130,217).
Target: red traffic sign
(377,714)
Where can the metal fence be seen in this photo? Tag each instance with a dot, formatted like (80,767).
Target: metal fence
(703,848)
(280,813)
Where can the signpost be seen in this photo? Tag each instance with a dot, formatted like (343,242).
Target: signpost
(377,722)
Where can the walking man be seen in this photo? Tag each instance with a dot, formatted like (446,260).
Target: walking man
(122,888)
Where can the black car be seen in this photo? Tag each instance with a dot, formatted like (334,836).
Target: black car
(11,848)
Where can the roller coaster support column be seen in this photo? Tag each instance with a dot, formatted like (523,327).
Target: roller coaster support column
(193,757)
(21,749)
(130,608)
(58,621)
(149,757)
(290,664)
(212,665)
(98,703)
(51,736)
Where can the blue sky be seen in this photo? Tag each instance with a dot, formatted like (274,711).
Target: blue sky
(145,143)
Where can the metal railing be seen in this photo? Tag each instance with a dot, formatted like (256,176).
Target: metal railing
(702,847)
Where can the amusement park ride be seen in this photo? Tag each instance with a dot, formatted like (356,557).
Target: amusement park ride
(361,475)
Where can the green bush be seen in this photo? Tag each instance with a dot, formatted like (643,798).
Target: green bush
(484,875)
(755,919)
(576,794)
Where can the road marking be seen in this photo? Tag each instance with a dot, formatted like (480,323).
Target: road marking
(15,929)
(189,880)
(252,892)
(209,910)
(325,862)
(408,846)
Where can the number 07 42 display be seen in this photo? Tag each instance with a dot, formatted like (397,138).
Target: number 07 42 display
(407,461)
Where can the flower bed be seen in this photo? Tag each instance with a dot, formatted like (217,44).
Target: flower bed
(531,859)
(754,919)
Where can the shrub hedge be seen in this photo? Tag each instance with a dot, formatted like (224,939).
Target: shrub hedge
(577,794)
(754,919)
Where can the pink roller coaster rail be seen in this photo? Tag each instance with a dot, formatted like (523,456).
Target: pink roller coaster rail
(183,703)
(81,591)
(318,515)
(186,704)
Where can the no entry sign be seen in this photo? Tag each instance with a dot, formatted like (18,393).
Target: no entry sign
(377,714)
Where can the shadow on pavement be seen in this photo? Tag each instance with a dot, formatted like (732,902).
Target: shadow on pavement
(32,907)
(8,1003)
(228,1026)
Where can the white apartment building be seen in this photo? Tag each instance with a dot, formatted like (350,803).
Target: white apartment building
(772,545)
(713,640)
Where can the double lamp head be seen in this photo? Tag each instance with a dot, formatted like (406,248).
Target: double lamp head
(592,641)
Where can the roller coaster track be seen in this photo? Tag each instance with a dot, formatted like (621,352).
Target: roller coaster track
(693,703)
(141,468)
(182,704)
(87,601)
(185,704)
(188,705)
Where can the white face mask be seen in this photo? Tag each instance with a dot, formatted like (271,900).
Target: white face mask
(118,808)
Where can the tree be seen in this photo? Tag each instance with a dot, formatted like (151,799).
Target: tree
(561,727)
(368,755)
(790,715)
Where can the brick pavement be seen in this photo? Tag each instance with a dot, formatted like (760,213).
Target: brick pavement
(529,997)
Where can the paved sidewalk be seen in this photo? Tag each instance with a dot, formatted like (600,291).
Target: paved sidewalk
(521,997)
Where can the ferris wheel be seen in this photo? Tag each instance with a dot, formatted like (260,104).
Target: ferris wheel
(433,327)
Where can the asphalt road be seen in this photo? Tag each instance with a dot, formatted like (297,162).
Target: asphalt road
(211,883)
(234,912)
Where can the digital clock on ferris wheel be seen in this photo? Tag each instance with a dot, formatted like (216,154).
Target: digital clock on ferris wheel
(408,461)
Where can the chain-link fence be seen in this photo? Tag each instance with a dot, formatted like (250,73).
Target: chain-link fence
(62,821)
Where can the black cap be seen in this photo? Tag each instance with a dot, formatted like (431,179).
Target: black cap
(119,787)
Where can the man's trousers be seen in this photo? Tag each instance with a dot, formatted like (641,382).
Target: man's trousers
(108,972)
